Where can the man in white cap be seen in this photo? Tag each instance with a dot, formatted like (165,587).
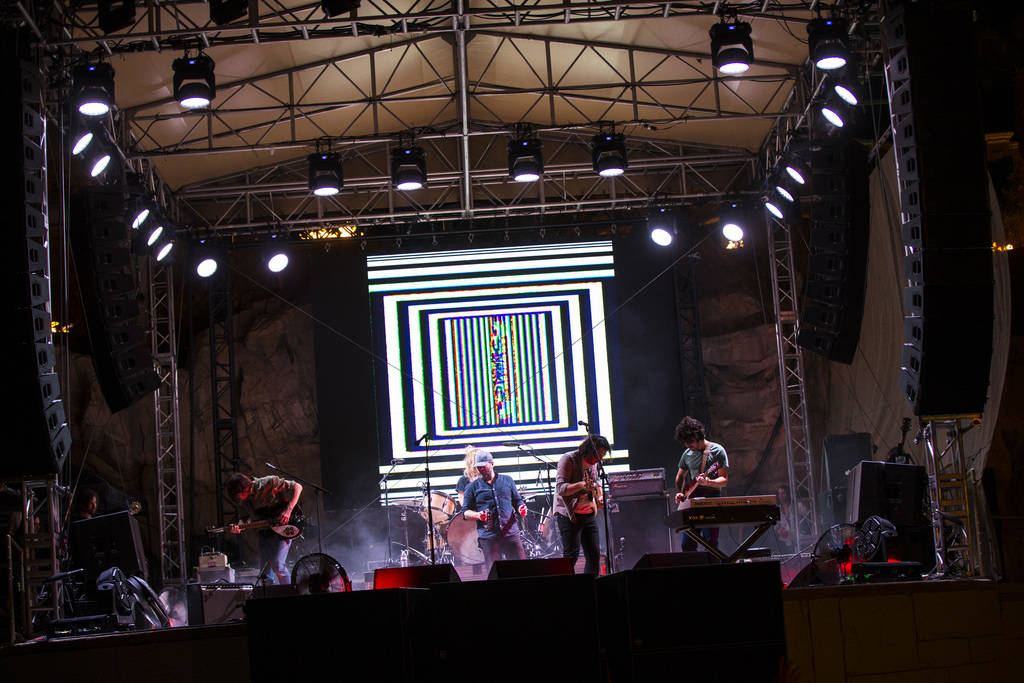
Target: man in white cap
(492,501)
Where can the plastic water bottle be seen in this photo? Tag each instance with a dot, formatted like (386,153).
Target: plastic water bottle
(405,557)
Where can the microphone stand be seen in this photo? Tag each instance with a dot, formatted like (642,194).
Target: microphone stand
(387,508)
(608,563)
(430,507)
(318,490)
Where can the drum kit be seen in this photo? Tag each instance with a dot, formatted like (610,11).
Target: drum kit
(454,538)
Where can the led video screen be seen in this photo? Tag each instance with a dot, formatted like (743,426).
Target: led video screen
(504,348)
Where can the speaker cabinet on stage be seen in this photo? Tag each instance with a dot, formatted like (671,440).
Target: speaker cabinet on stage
(896,492)
(215,603)
(540,628)
(414,577)
(385,633)
(121,352)
(946,219)
(830,318)
(841,454)
(33,418)
(518,569)
(714,622)
(681,559)
(640,524)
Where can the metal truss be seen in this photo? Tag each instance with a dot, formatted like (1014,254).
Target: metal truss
(37,600)
(224,390)
(170,25)
(695,397)
(170,507)
(792,383)
(954,521)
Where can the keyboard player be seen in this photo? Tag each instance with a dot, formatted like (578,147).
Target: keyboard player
(698,457)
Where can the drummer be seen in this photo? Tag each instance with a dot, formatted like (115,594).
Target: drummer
(469,474)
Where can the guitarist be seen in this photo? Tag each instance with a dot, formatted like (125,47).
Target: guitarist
(699,457)
(266,498)
(492,500)
(577,500)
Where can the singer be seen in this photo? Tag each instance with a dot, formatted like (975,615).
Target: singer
(578,497)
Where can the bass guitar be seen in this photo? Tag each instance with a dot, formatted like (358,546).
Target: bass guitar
(592,489)
(688,491)
(290,530)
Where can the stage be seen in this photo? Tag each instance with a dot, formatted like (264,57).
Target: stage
(730,621)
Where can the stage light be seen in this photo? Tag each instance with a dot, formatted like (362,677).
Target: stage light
(163,251)
(115,15)
(828,43)
(325,176)
(787,188)
(731,218)
(333,8)
(835,110)
(732,232)
(661,226)
(138,211)
(848,88)
(732,50)
(225,11)
(92,89)
(194,82)
(774,207)
(206,263)
(796,168)
(408,168)
(83,133)
(98,155)
(525,160)
(608,152)
(275,255)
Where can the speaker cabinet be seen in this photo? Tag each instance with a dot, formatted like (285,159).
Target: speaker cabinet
(414,577)
(517,569)
(716,622)
(682,559)
(638,526)
(893,491)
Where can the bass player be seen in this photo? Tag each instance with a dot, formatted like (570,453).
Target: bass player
(266,498)
(699,457)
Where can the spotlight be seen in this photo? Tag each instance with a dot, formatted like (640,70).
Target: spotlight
(333,8)
(206,261)
(275,257)
(225,11)
(835,109)
(608,152)
(775,201)
(661,226)
(732,50)
(828,43)
(408,168)
(325,178)
(92,89)
(787,188)
(98,155)
(732,223)
(774,206)
(194,81)
(84,132)
(163,251)
(115,15)
(138,211)
(525,160)
(796,168)
(848,88)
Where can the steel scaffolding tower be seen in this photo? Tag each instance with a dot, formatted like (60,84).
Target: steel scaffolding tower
(38,557)
(173,566)
(224,393)
(791,383)
(953,517)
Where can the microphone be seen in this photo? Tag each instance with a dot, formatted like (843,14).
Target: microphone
(422,438)
(583,424)
(397,461)
(511,444)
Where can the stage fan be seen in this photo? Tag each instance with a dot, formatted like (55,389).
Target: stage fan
(319,573)
(833,554)
(870,541)
(149,611)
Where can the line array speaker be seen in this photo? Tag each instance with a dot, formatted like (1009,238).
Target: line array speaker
(34,416)
(940,157)
(121,352)
(833,308)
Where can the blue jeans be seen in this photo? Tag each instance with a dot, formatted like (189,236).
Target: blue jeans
(274,549)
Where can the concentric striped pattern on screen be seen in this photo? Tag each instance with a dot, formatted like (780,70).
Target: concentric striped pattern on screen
(489,346)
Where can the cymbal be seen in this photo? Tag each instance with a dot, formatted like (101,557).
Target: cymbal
(413,503)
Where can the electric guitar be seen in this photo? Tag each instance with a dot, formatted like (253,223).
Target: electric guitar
(688,491)
(290,530)
(592,489)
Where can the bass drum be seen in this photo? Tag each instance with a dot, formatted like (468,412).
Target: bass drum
(462,541)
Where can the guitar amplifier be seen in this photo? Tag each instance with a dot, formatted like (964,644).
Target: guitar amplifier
(647,483)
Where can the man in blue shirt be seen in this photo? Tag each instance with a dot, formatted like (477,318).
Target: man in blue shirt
(492,501)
